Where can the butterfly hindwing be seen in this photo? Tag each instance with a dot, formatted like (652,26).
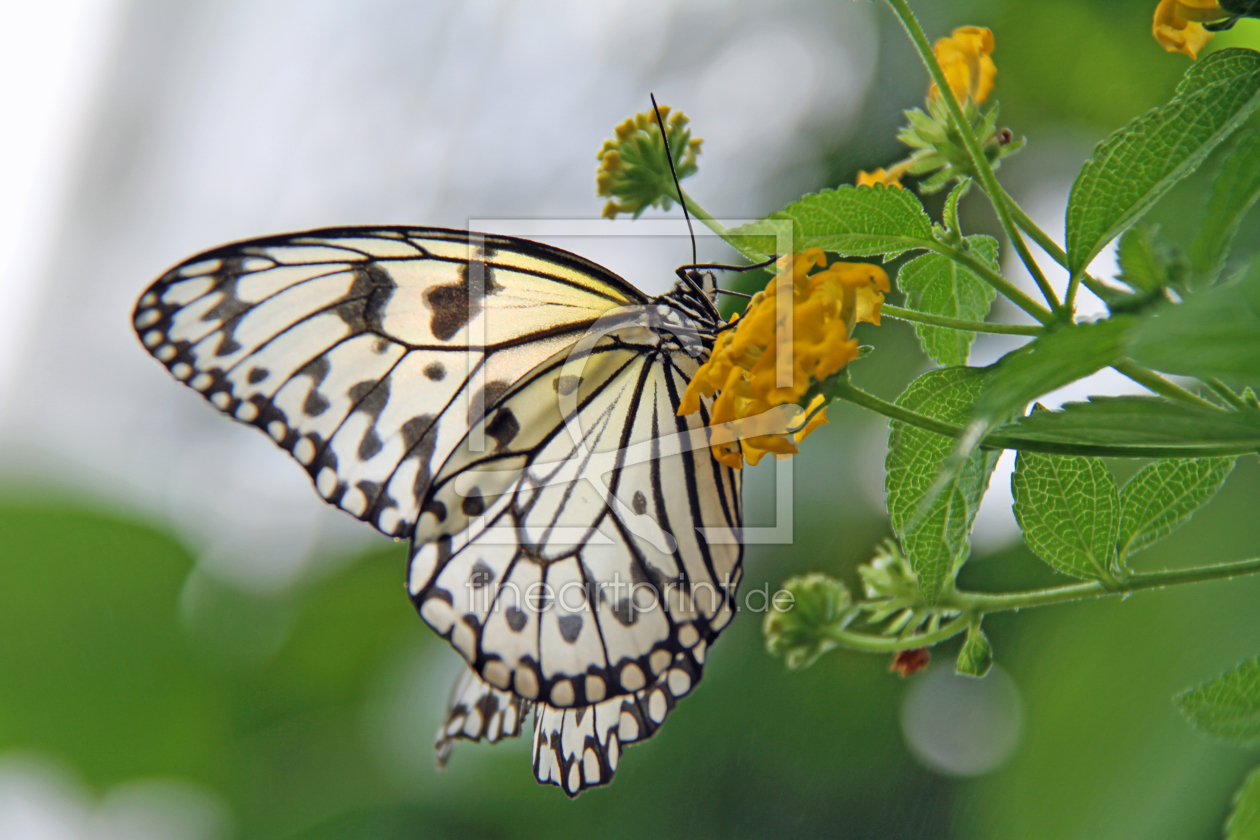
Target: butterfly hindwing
(581,748)
(573,748)
(477,711)
(585,554)
(367,352)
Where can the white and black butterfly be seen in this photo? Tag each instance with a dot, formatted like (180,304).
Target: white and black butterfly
(512,409)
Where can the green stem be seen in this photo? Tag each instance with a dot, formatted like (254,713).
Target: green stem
(1160,385)
(891,644)
(889,311)
(978,159)
(706,218)
(842,389)
(993,278)
(1051,247)
(1225,392)
(985,602)
(973,605)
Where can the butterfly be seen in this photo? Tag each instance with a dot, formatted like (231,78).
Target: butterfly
(512,409)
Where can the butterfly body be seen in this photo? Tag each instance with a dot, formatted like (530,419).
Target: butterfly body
(512,409)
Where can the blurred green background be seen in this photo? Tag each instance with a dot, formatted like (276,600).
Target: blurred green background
(308,712)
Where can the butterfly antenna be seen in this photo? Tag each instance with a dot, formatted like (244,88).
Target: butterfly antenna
(669,156)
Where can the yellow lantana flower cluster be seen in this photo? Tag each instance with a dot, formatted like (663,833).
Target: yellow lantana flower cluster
(743,368)
(1178,25)
(966,59)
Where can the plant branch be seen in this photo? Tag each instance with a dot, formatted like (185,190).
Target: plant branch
(889,311)
(844,390)
(986,602)
(988,180)
(871,643)
(1160,385)
(717,227)
(993,278)
(972,605)
(1225,392)
(1028,226)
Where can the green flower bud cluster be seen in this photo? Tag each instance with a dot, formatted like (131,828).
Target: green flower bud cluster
(797,627)
(893,597)
(633,166)
(939,148)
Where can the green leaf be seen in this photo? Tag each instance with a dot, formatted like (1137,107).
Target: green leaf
(1139,421)
(1228,706)
(1144,260)
(936,542)
(1052,361)
(853,221)
(1213,333)
(1244,820)
(1069,510)
(949,215)
(1235,190)
(976,657)
(1164,495)
(1044,364)
(1137,165)
(937,285)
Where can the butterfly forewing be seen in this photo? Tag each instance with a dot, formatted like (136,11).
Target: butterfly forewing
(366,352)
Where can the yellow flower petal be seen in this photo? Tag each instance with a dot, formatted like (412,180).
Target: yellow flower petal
(1178,24)
(879,176)
(965,59)
(814,422)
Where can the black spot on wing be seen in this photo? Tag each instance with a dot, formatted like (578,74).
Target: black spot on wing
(435,371)
(566,384)
(570,627)
(474,504)
(433,506)
(257,375)
(367,298)
(485,398)
(639,502)
(370,397)
(456,304)
(317,369)
(482,575)
(229,310)
(516,618)
(315,404)
(504,427)
(419,439)
(625,613)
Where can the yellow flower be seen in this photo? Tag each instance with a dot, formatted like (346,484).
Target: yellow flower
(1178,25)
(965,58)
(889,178)
(743,369)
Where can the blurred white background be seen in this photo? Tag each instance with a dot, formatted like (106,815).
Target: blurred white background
(139,133)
